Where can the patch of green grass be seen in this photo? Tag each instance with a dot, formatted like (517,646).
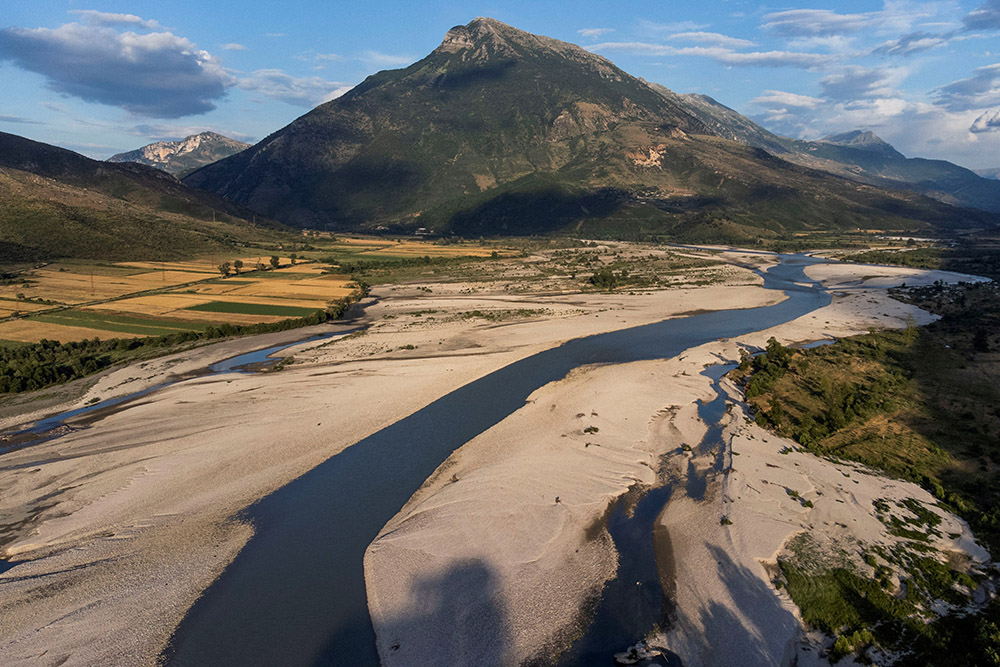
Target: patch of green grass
(119,323)
(252,309)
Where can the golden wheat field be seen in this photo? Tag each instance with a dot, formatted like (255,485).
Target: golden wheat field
(73,301)
(32,331)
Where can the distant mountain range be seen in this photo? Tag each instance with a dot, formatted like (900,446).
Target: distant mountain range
(57,203)
(185,155)
(498,131)
(993,173)
(858,155)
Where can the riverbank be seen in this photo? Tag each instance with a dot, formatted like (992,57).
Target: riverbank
(113,531)
(511,526)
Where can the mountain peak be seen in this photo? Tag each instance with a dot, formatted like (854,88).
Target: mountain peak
(484,39)
(863,140)
(184,155)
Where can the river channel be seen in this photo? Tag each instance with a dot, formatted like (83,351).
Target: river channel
(295,595)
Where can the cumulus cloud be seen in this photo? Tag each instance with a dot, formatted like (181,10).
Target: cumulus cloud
(713,38)
(594,33)
(94,17)
(854,82)
(808,22)
(721,55)
(157,74)
(980,90)
(988,122)
(305,92)
(984,17)
(779,98)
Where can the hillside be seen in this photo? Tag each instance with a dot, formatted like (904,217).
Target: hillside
(56,203)
(499,131)
(858,155)
(185,155)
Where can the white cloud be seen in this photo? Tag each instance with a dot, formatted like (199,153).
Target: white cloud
(988,122)
(156,74)
(979,91)
(19,119)
(781,98)
(913,42)
(807,22)
(713,38)
(676,26)
(984,17)
(379,59)
(853,82)
(233,46)
(305,91)
(840,44)
(721,55)
(94,17)
(594,33)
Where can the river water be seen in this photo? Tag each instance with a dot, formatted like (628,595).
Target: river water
(59,424)
(295,595)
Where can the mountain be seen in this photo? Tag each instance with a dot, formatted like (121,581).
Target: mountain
(858,155)
(184,156)
(498,131)
(864,140)
(723,121)
(993,173)
(57,203)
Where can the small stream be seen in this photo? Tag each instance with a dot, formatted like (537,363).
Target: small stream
(59,424)
(637,601)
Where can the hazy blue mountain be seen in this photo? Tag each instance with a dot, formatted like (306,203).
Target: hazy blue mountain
(859,155)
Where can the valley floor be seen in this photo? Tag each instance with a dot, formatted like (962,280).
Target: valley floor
(112,531)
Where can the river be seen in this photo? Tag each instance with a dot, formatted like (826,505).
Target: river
(295,595)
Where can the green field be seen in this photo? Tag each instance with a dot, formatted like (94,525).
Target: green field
(119,323)
(252,309)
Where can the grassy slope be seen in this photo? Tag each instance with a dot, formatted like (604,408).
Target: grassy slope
(919,404)
(42,219)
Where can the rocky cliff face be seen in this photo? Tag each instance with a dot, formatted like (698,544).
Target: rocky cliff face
(185,155)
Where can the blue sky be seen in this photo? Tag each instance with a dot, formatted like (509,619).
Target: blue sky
(104,77)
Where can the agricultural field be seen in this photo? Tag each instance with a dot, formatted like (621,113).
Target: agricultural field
(381,249)
(71,301)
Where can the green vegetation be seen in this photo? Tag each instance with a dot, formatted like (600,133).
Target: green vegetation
(920,404)
(37,365)
(119,323)
(978,256)
(240,308)
(503,315)
(858,611)
(56,203)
